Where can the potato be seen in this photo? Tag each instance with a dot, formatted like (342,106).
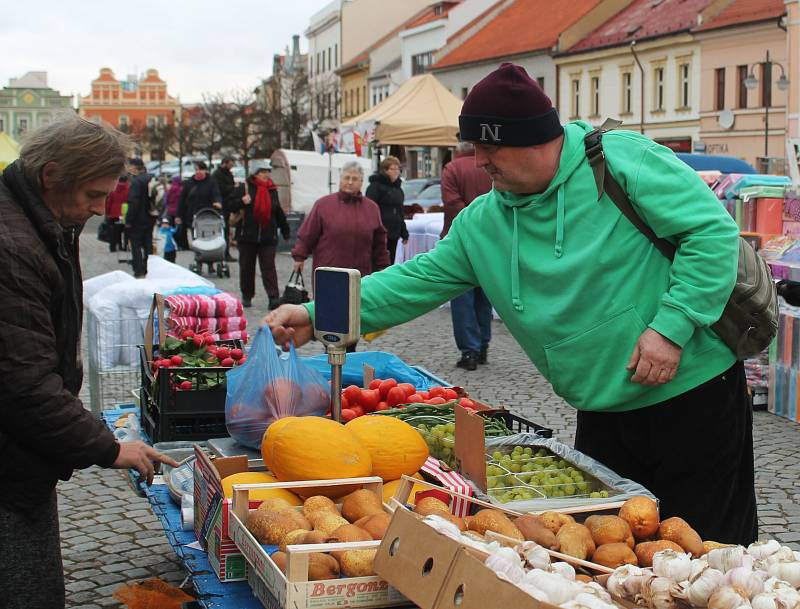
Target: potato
(431,505)
(644,551)
(554,521)
(713,545)
(494,520)
(347,533)
(270,527)
(641,514)
(280,560)
(375,525)
(358,563)
(609,529)
(322,566)
(327,522)
(361,503)
(307,537)
(533,529)
(678,530)
(614,555)
(575,540)
(318,502)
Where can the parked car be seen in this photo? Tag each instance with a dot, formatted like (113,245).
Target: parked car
(413,188)
(429,198)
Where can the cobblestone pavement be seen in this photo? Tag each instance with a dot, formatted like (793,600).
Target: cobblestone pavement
(110,536)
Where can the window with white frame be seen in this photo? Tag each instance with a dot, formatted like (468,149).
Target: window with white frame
(627,92)
(420,62)
(576,97)
(595,96)
(683,83)
(658,79)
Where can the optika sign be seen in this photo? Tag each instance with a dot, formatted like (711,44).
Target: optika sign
(349,590)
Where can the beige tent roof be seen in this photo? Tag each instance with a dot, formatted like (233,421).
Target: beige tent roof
(422,112)
(9,150)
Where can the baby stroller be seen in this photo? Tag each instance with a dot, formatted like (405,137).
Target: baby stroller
(208,243)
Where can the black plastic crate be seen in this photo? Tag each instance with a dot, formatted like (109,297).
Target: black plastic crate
(170,414)
(519,424)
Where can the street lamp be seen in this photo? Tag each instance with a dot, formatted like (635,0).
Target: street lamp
(751,82)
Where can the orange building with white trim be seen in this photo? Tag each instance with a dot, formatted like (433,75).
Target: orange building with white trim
(130,105)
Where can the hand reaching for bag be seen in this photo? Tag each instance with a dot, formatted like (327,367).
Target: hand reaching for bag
(140,456)
(298,266)
(290,323)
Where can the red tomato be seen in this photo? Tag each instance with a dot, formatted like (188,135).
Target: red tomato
(369,399)
(424,395)
(436,391)
(383,406)
(450,394)
(408,388)
(375,384)
(414,398)
(358,410)
(396,395)
(345,402)
(348,415)
(437,400)
(352,393)
(467,403)
(385,386)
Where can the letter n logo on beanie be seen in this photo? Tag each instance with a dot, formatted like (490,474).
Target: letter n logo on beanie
(492,131)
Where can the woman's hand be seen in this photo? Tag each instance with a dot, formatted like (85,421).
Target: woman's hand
(298,266)
(246,200)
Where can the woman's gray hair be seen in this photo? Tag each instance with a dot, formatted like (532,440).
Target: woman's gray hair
(353,166)
(82,150)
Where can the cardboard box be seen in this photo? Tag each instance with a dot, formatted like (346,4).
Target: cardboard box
(212,514)
(293,589)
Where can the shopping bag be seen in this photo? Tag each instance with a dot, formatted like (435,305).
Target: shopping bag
(295,291)
(271,385)
(104,231)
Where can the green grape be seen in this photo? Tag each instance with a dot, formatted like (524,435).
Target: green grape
(595,495)
(527,467)
(582,486)
(526,478)
(528,451)
(497,455)
(515,467)
(451,427)
(517,457)
(510,480)
(558,493)
(604,494)
(517,449)
(569,489)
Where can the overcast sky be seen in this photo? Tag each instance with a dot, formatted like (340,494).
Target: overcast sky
(196,45)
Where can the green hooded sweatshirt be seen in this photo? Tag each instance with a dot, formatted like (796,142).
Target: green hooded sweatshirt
(575,282)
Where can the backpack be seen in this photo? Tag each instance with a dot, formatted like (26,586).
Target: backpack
(749,321)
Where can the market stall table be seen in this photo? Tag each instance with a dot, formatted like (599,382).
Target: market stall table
(212,594)
(423,235)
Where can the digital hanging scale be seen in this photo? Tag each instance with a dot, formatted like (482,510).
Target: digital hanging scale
(337,321)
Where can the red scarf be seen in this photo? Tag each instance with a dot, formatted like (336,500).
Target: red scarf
(262,206)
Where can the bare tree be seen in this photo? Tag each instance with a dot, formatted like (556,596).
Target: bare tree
(211,124)
(245,126)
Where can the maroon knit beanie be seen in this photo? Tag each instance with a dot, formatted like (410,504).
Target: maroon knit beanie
(508,108)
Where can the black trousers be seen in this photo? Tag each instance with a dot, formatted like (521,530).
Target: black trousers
(694,452)
(31,570)
(117,241)
(391,245)
(265,254)
(141,247)
(170,256)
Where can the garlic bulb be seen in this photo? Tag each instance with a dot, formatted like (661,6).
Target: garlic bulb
(617,579)
(565,570)
(746,580)
(672,565)
(557,589)
(700,587)
(767,600)
(657,593)
(535,555)
(595,589)
(533,591)
(727,597)
(787,571)
(783,554)
(698,565)
(725,559)
(762,549)
(506,565)
(590,601)
(445,527)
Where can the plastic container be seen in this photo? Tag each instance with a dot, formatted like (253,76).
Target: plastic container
(769,216)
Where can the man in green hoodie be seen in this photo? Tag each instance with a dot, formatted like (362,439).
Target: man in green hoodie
(622,333)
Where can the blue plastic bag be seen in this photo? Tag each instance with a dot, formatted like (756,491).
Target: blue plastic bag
(268,387)
(386,366)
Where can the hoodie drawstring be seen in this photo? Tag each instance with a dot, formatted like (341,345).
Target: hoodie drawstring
(515,299)
(560,223)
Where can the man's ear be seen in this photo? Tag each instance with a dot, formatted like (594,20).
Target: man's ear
(50,176)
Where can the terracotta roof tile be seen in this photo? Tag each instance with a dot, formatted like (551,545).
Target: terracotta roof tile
(525,26)
(644,19)
(429,14)
(740,12)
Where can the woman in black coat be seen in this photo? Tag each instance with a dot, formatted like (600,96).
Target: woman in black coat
(384,188)
(258,236)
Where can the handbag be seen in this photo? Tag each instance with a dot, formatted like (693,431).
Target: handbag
(749,321)
(104,231)
(295,291)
